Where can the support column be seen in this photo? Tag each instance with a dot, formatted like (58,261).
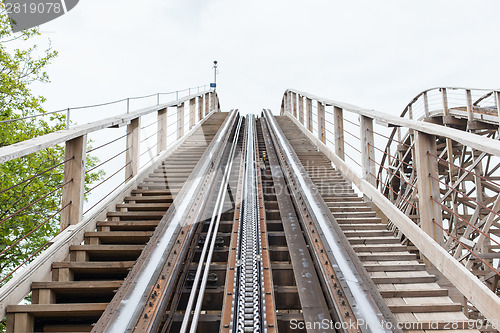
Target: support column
(74,173)
(192,112)
(338,119)
(212,101)
(309,114)
(321,122)
(428,188)
(367,150)
(301,109)
(497,98)
(161,136)
(132,156)
(180,121)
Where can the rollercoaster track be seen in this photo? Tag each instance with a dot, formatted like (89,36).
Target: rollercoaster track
(253,231)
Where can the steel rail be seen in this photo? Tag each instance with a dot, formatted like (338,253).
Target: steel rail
(211,235)
(201,294)
(249,304)
(370,309)
(130,300)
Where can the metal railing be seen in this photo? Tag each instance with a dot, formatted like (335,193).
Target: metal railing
(436,180)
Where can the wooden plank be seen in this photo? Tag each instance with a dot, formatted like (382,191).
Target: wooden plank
(74,177)
(161,135)
(414,293)
(132,154)
(433,307)
(339,131)
(428,187)
(180,121)
(367,150)
(59,310)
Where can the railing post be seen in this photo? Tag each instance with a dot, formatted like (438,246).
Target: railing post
(132,156)
(428,187)
(162,131)
(426,105)
(192,112)
(301,109)
(367,150)
(309,114)
(180,121)
(444,96)
(470,110)
(338,120)
(321,122)
(497,98)
(287,105)
(207,103)
(200,107)
(212,101)
(74,174)
(294,104)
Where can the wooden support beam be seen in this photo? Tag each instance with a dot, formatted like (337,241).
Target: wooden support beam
(161,135)
(338,118)
(309,114)
(192,112)
(321,122)
(132,155)
(180,121)
(367,150)
(212,102)
(294,104)
(301,108)
(74,175)
(428,188)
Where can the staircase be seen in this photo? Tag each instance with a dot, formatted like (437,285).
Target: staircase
(84,283)
(411,292)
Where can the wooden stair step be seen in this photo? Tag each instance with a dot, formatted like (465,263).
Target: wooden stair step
(76,265)
(363,226)
(138,215)
(129,225)
(144,206)
(373,240)
(60,310)
(421,308)
(110,252)
(414,293)
(394,268)
(119,237)
(387,256)
(353,219)
(371,233)
(151,198)
(379,248)
(404,279)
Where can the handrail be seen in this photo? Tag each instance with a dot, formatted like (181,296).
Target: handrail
(416,153)
(34,145)
(468,139)
(67,110)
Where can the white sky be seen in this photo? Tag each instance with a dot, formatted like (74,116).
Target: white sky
(376,54)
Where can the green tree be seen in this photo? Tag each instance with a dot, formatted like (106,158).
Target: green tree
(29,212)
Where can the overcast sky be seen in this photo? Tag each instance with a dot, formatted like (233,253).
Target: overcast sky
(376,54)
